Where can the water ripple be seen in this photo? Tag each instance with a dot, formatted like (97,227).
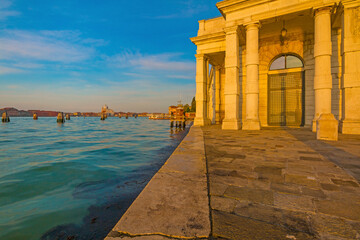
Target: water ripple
(58,178)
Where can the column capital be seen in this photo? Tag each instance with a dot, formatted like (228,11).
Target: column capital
(252,25)
(323,10)
(232,30)
(217,67)
(201,56)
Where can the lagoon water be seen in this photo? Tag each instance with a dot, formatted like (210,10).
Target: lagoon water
(75,180)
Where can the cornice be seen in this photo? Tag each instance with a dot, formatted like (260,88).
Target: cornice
(229,6)
(209,38)
(235,5)
(350,3)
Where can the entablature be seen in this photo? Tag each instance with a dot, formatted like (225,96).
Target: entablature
(209,38)
(258,10)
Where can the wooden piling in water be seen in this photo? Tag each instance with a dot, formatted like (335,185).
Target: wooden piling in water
(35,116)
(67,117)
(5,117)
(60,118)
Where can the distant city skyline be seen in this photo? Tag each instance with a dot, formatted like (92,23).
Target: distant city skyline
(79,55)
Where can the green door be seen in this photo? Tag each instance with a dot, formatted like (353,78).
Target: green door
(286,99)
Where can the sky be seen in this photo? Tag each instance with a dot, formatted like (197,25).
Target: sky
(77,55)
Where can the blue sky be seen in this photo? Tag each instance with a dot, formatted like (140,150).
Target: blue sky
(76,55)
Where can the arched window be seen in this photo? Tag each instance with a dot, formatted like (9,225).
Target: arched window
(286,62)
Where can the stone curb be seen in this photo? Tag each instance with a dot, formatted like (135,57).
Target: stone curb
(174,204)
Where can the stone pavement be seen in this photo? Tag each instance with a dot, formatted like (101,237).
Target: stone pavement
(282,184)
(270,184)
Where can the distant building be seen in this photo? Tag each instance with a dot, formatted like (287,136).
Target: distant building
(13,112)
(144,114)
(109,112)
(176,111)
(190,115)
(172,110)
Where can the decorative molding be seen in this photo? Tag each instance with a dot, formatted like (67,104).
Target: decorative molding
(209,38)
(228,6)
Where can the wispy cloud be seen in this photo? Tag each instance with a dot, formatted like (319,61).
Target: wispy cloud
(163,62)
(181,76)
(9,70)
(188,8)
(53,46)
(5,11)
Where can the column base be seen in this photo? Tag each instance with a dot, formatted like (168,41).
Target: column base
(201,122)
(251,125)
(314,124)
(350,127)
(231,124)
(327,127)
(217,120)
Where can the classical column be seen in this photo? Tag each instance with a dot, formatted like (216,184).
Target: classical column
(217,95)
(324,122)
(350,121)
(201,91)
(211,95)
(232,87)
(252,78)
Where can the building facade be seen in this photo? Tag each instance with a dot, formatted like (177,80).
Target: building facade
(280,63)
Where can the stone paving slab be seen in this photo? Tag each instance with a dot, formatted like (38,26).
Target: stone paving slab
(175,202)
(282,184)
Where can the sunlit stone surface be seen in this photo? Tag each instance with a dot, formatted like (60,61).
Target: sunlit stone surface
(322,36)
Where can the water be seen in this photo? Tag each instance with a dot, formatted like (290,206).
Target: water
(74,181)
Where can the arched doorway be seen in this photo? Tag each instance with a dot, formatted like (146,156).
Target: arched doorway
(286,91)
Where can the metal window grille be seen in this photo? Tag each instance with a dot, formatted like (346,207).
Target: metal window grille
(286,99)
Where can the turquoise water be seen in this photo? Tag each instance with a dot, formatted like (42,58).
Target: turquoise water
(75,180)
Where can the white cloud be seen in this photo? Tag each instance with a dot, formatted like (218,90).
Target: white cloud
(9,70)
(157,62)
(182,76)
(28,65)
(53,46)
(5,12)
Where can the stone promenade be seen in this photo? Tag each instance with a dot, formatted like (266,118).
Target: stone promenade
(270,184)
(175,203)
(282,184)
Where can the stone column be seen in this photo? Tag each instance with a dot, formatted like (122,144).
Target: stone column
(324,122)
(201,91)
(211,96)
(217,95)
(350,121)
(252,78)
(232,87)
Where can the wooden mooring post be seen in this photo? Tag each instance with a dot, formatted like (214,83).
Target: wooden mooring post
(5,117)
(103,117)
(60,118)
